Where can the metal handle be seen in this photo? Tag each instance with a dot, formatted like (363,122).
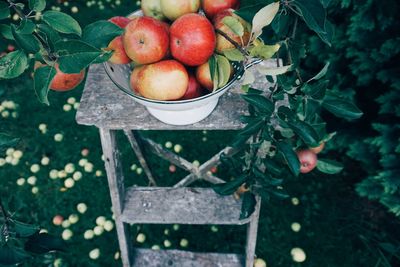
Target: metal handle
(252,63)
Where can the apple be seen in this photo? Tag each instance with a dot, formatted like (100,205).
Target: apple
(119,56)
(174,9)
(120,21)
(66,81)
(164,80)
(222,43)
(318,148)
(212,7)
(192,39)
(203,76)
(308,160)
(145,40)
(152,8)
(194,88)
(57,220)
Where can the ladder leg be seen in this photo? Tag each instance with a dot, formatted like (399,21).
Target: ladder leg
(117,191)
(252,228)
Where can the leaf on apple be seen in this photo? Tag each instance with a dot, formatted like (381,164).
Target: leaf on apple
(264,51)
(234,55)
(272,71)
(263,18)
(234,25)
(224,70)
(42,80)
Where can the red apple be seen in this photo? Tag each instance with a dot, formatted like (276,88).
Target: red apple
(212,7)
(174,9)
(164,80)
(120,21)
(203,76)
(145,40)
(192,39)
(222,43)
(119,56)
(194,88)
(66,81)
(57,220)
(308,160)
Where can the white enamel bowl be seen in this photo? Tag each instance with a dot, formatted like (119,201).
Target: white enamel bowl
(178,112)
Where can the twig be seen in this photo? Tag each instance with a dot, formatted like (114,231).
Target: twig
(244,52)
(4,231)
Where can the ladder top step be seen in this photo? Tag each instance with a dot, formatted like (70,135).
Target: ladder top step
(185,205)
(179,258)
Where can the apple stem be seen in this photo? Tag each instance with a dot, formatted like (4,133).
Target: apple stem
(240,48)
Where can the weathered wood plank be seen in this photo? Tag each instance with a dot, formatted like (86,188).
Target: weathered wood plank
(252,229)
(116,184)
(166,205)
(179,258)
(105,106)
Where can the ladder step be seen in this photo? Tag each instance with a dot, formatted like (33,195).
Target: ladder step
(185,205)
(179,258)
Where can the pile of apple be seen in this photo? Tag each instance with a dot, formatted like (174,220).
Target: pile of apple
(171,45)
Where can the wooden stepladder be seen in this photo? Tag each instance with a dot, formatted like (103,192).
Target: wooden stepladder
(109,109)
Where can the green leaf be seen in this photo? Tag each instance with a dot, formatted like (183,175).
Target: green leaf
(23,229)
(27,42)
(325,3)
(315,90)
(62,22)
(50,36)
(305,131)
(4,10)
(74,55)
(311,108)
(248,205)
(5,31)
(212,63)
(233,54)
(329,166)
(37,5)
(234,25)
(313,14)
(264,70)
(290,156)
(7,141)
(321,73)
(341,108)
(12,255)
(26,27)
(263,104)
(42,80)
(13,64)
(264,51)
(327,36)
(252,127)
(42,243)
(263,18)
(100,33)
(230,187)
(224,70)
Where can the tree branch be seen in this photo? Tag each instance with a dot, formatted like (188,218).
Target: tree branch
(237,46)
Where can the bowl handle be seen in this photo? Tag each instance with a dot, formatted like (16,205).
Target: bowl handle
(252,63)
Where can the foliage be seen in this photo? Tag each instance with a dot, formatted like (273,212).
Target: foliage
(363,58)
